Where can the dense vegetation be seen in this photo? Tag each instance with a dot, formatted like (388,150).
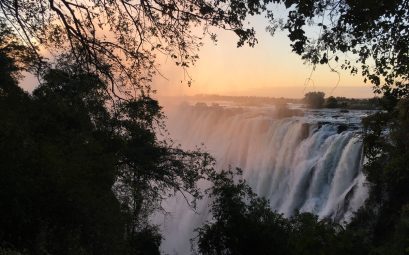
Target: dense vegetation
(82,167)
(245,224)
(314,100)
(80,173)
(120,40)
(375,33)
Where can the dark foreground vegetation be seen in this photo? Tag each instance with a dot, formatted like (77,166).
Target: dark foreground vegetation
(82,167)
(81,173)
(244,223)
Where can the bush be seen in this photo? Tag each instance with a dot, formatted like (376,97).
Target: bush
(331,102)
(314,99)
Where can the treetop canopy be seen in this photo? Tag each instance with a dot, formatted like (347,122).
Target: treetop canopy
(120,39)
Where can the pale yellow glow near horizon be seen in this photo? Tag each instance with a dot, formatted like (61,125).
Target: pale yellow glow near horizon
(269,69)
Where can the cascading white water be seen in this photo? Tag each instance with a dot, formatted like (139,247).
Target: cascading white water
(311,163)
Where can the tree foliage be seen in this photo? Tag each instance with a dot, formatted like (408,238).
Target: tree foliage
(370,37)
(331,102)
(245,224)
(387,151)
(314,99)
(238,227)
(78,175)
(119,40)
(81,171)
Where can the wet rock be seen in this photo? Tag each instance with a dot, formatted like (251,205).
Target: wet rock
(305,131)
(341,128)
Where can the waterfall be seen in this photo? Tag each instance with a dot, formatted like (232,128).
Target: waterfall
(310,163)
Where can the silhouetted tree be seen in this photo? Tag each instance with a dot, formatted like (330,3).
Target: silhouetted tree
(387,150)
(119,40)
(63,147)
(375,32)
(139,29)
(244,224)
(79,174)
(314,99)
(331,102)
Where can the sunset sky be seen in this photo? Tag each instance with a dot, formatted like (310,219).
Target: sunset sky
(268,69)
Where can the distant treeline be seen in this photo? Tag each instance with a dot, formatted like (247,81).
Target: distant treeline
(330,102)
(316,100)
(246,100)
(358,104)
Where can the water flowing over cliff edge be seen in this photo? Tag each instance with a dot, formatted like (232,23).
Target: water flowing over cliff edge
(310,163)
